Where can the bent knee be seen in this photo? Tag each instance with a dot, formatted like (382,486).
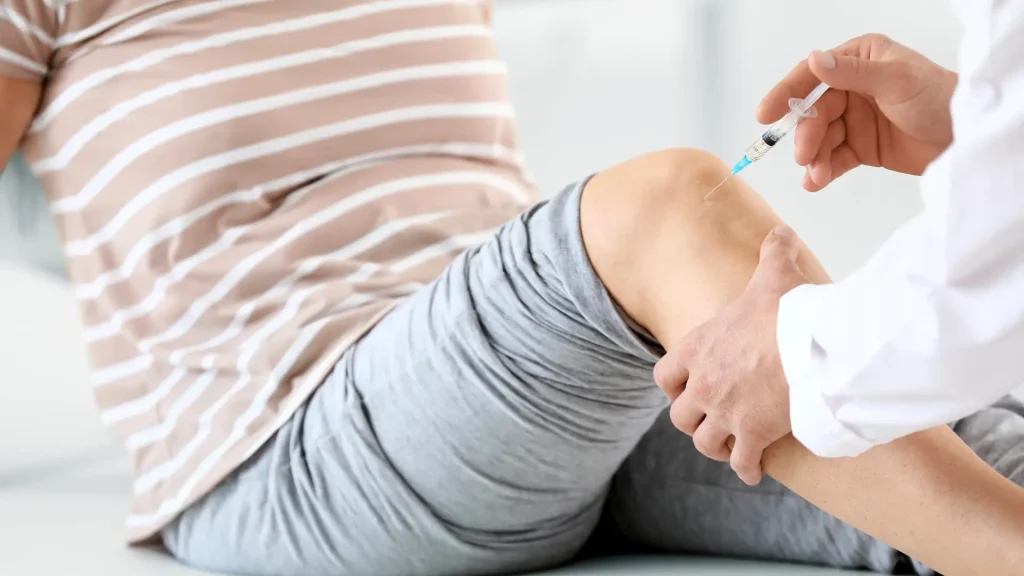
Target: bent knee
(662,194)
(651,236)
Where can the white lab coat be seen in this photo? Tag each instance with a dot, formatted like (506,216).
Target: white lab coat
(931,329)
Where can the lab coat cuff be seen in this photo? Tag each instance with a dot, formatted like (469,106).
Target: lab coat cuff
(814,422)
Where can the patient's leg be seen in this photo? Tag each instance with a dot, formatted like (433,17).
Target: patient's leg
(669,497)
(672,261)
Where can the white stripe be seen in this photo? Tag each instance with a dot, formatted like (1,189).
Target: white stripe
(173,16)
(110,374)
(175,130)
(238,323)
(172,505)
(147,481)
(178,225)
(24,26)
(249,349)
(102,25)
(307,267)
(113,326)
(282,368)
(148,436)
(230,280)
(76,90)
(217,162)
(163,283)
(19,60)
(144,404)
(97,125)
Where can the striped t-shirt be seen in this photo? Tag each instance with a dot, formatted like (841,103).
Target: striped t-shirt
(243,188)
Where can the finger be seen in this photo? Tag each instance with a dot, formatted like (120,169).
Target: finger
(820,169)
(686,415)
(805,76)
(843,160)
(780,245)
(811,133)
(797,84)
(671,372)
(809,184)
(852,72)
(863,115)
(709,440)
(745,460)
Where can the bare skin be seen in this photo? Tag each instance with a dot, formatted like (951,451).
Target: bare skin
(673,261)
(18,101)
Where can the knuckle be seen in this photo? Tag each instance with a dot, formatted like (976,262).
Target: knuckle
(680,418)
(772,240)
(779,245)
(690,348)
(703,390)
(670,375)
(857,65)
(877,41)
(701,445)
(676,418)
(660,374)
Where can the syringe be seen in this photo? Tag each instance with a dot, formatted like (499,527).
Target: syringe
(798,110)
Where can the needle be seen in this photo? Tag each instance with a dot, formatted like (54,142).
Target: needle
(798,110)
(717,187)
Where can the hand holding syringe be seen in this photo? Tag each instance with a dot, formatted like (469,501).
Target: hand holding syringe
(798,109)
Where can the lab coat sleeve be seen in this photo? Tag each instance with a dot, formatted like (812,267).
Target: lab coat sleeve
(931,329)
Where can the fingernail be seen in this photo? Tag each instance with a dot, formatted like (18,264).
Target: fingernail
(782,231)
(824,59)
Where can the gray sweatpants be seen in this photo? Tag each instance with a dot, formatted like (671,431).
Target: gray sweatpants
(478,428)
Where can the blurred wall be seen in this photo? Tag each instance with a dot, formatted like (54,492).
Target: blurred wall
(27,233)
(598,81)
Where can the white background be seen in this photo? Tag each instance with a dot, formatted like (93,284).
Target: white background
(595,82)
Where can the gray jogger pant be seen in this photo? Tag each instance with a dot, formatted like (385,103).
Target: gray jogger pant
(477,430)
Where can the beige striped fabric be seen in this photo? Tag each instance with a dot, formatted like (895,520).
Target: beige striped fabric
(244,187)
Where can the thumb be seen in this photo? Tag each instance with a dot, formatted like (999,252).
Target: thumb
(778,268)
(780,246)
(844,72)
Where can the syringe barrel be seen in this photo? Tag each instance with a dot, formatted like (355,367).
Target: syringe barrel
(772,136)
(758,149)
(798,109)
(784,126)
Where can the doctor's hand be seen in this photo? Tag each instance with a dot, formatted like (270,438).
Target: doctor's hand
(725,378)
(888,107)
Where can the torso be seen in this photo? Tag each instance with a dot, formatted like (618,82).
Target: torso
(244,187)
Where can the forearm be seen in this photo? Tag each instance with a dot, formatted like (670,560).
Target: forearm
(926,494)
(672,261)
